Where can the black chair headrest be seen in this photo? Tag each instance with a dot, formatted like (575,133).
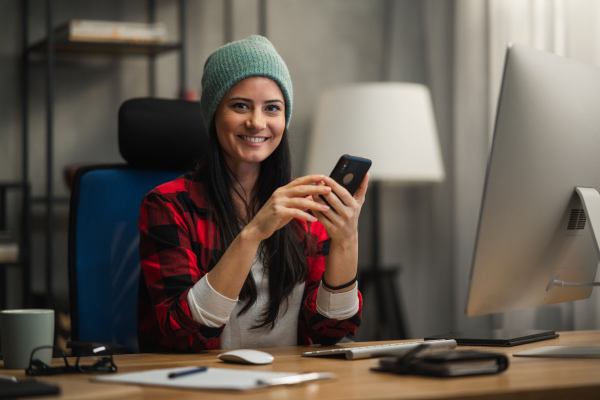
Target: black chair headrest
(161,133)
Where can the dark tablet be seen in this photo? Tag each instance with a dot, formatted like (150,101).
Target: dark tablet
(496,337)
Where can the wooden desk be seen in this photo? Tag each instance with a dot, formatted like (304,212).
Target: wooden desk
(526,378)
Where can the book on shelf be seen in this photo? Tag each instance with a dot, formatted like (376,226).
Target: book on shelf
(9,248)
(111,31)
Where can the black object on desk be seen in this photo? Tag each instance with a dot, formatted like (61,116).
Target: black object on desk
(496,337)
(445,363)
(26,388)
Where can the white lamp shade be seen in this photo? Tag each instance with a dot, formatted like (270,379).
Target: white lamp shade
(390,123)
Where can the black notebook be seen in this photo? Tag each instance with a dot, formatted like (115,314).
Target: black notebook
(446,364)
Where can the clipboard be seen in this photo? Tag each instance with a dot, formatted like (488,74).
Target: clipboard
(214,378)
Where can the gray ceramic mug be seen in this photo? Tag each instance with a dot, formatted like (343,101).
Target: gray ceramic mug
(22,331)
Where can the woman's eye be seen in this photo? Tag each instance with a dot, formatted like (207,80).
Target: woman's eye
(273,108)
(240,106)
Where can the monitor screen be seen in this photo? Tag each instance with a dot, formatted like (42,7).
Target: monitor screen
(533,226)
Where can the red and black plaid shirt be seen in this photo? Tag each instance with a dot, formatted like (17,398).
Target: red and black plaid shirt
(179,245)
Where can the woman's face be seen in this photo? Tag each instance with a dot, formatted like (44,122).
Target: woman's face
(250,121)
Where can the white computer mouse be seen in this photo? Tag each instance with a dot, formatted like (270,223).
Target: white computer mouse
(246,356)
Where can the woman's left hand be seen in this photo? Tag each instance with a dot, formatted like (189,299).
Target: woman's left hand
(341,220)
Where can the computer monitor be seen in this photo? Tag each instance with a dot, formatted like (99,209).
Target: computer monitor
(540,201)
(535,226)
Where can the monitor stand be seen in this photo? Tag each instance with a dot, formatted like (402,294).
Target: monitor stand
(496,337)
(590,198)
(562,352)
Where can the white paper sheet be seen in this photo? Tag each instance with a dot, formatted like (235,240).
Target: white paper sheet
(212,378)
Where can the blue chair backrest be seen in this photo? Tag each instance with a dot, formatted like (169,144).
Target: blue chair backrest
(104,262)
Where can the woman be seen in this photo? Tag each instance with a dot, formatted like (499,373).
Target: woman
(236,254)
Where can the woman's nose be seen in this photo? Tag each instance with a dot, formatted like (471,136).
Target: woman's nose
(256,121)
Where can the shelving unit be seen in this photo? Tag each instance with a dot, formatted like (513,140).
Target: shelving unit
(49,47)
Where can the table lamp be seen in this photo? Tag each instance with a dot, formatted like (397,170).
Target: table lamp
(392,124)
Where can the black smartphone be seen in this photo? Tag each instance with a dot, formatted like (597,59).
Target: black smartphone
(350,171)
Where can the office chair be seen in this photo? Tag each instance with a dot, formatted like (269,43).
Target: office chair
(160,139)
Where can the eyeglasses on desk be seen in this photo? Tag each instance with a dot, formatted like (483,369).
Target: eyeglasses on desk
(92,358)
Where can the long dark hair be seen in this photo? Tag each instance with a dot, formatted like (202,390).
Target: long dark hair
(283,254)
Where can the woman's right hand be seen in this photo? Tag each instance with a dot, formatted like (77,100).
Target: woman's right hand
(293,200)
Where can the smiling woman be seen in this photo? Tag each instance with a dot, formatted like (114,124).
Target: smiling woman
(250,121)
(235,253)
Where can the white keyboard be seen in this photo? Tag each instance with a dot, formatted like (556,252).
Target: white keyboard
(380,350)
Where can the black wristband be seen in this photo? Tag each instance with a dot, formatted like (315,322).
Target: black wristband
(345,285)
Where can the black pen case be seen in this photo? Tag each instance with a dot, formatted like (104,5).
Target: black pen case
(446,364)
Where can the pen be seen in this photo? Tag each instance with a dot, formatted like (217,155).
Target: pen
(8,378)
(187,372)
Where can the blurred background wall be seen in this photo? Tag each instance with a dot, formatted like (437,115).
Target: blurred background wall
(455,47)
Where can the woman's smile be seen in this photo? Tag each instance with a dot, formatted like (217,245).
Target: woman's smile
(253,141)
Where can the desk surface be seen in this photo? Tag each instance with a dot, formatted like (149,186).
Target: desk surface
(526,378)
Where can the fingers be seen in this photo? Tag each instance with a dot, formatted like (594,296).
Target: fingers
(295,200)
(343,193)
(307,180)
(298,208)
(362,190)
(338,214)
(305,204)
(305,186)
(342,218)
(339,193)
(310,190)
(301,214)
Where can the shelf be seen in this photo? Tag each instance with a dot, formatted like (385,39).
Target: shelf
(107,48)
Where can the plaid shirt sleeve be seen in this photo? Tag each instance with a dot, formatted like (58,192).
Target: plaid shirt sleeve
(314,328)
(176,250)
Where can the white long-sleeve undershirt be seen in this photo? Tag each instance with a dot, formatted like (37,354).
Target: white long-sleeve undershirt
(212,309)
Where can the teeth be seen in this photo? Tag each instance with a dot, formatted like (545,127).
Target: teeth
(253,139)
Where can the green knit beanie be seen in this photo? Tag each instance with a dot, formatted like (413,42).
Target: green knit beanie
(253,56)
